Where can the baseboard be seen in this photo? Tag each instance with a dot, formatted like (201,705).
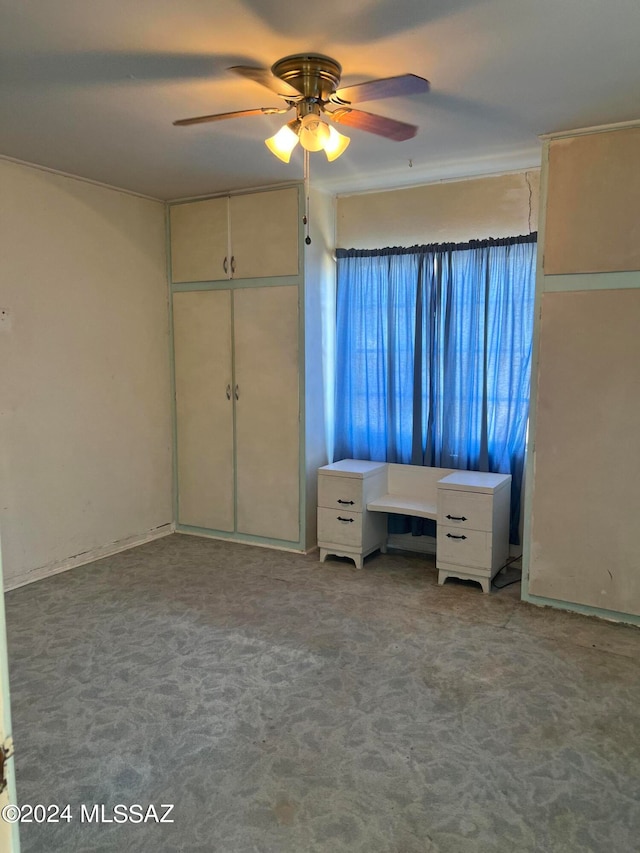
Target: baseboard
(240,539)
(88,557)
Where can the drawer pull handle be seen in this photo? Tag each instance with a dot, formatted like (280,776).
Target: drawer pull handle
(346,503)
(457,517)
(345,520)
(451,536)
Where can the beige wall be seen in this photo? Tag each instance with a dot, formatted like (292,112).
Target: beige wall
(319,332)
(454,211)
(85,435)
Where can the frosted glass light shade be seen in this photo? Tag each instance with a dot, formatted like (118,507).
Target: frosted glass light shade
(336,144)
(282,143)
(313,133)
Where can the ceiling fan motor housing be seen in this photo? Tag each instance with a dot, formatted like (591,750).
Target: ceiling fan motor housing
(312,74)
(309,82)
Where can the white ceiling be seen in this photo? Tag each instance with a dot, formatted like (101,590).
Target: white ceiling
(91,87)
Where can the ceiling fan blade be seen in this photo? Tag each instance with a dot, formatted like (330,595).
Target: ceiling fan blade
(386,87)
(238,114)
(266,78)
(390,128)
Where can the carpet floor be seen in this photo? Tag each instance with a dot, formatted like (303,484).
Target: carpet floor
(286,706)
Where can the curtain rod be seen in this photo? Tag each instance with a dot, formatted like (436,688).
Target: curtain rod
(433,248)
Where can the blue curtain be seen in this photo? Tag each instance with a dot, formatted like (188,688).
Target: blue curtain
(434,355)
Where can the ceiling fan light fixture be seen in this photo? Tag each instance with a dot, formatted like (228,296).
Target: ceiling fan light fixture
(314,133)
(336,144)
(283,142)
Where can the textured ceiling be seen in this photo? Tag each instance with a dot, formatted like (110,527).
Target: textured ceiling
(92,87)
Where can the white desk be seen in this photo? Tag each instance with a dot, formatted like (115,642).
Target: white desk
(471,508)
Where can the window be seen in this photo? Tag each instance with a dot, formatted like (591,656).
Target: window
(434,355)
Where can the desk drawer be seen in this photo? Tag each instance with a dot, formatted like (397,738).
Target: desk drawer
(461,547)
(339,527)
(469,510)
(340,492)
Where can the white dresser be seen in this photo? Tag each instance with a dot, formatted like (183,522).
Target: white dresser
(473,526)
(345,528)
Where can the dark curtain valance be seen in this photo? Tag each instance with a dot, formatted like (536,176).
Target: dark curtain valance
(434,248)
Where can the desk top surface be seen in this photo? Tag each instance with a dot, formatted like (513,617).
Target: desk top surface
(352,468)
(475,481)
(402,505)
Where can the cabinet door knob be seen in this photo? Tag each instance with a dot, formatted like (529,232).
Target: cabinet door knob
(345,520)
(228,392)
(451,536)
(225,266)
(457,517)
(345,503)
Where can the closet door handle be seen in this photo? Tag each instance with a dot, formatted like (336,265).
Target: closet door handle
(451,536)
(345,520)
(228,392)
(457,517)
(237,392)
(345,503)
(233,265)
(225,266)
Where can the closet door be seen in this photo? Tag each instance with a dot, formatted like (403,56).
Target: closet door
(204,408)
(267,412)
(264,233)
(200,240)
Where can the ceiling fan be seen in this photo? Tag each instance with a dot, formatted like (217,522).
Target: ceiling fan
(309,83)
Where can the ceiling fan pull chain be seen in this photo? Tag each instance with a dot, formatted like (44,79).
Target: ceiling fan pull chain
(305,218)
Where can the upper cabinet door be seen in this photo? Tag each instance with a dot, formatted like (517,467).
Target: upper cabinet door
(264,234)
(200,240)
(593,196)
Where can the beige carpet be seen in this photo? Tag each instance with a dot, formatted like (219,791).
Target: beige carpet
(285,706)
